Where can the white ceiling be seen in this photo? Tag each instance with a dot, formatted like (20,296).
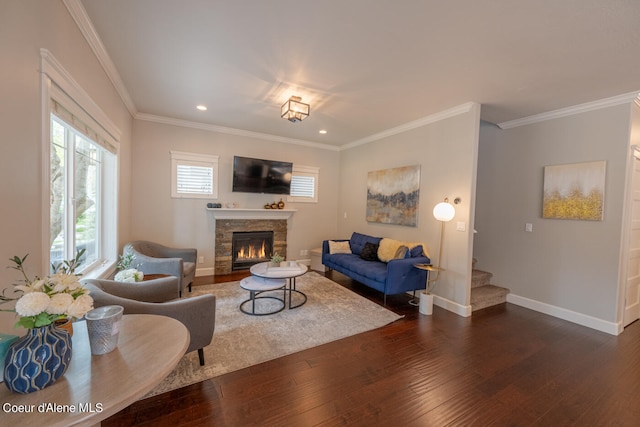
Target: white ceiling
(366,66)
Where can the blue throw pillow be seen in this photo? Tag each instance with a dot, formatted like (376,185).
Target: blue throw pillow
(415,252)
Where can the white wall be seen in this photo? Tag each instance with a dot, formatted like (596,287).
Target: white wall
(26,26)
(446,150)
(568,268)
(185,222)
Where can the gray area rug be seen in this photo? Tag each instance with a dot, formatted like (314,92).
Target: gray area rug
(331,313)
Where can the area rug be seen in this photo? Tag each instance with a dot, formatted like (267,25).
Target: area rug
(331,312)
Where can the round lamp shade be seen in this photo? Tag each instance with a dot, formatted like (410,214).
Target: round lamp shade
(444,211)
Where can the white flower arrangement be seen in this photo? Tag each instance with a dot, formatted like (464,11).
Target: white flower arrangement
(59,296)
(130,275)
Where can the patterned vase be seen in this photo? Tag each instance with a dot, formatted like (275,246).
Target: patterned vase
(37,360)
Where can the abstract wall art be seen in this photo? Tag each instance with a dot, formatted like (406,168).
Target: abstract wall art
(574,191)
(392,195)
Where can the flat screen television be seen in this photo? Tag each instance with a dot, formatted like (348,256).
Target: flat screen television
(261,176)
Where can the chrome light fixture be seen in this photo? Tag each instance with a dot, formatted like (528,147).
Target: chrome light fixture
(294,110)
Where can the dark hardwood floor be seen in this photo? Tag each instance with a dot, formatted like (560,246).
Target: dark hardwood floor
(504,366)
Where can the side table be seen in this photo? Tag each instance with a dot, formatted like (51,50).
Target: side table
(257,285)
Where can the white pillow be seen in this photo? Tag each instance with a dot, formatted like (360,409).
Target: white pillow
(339,247)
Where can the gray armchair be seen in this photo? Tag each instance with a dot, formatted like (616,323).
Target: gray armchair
(154,258)
(198,314)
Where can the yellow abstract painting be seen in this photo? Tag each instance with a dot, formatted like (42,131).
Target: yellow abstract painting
(574,191)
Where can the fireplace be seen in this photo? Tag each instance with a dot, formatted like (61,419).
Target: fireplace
(226,227)
(250,247)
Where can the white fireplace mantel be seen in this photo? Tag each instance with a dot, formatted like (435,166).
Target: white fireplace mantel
(237,213)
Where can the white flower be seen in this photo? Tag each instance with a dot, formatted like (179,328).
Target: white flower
(59,303)
(32,304)
(80,306)
(63,282)
(130,275)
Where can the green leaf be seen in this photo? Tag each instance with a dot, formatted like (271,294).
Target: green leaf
(26,322)
(42,319)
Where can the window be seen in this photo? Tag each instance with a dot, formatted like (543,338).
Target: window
(304,184)
(194,175)
(80,175)
(76,204)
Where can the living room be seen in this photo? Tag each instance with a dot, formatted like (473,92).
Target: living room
(572,270)
(575,282)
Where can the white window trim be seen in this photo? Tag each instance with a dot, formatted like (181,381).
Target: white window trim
(52,75)
(311,171)
(204,160)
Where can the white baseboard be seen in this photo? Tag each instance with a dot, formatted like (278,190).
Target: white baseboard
(204,271)
(454,307)
(571,316)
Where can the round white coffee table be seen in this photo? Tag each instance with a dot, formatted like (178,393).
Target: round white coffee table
(256,286)
(289,271)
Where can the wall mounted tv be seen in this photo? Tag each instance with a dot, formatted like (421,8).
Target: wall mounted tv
(261,176)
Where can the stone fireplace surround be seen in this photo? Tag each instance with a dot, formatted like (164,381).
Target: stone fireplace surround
(230,220)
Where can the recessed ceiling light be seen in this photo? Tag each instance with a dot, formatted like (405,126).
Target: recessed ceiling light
(202,107)
(322,131)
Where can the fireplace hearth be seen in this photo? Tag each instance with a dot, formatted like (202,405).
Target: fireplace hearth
(250,247)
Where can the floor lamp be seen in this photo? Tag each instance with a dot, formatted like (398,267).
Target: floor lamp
(443,212)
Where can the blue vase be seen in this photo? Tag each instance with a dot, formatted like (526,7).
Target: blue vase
(37,360)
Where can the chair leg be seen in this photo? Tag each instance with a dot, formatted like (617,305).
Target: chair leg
(201,356)
(189,287)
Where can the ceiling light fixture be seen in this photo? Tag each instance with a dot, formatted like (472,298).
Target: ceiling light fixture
(323,132)
(202,107)
(294,110)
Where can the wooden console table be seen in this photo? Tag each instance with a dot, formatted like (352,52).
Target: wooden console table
(96,387)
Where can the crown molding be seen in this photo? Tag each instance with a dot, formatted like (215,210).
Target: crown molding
(455,111)
(625,98)
(231,131)
(79,15)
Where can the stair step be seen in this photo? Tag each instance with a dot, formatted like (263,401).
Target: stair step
(480,278)
(487,296)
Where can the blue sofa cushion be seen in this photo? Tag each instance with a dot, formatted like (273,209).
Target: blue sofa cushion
(358,241)
(372,270)
(369,252)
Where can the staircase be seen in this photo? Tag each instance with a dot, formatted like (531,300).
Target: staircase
(483,293)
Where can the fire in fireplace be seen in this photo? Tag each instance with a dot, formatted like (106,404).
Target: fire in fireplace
(250,247)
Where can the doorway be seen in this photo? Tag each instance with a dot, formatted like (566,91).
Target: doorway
(632,285)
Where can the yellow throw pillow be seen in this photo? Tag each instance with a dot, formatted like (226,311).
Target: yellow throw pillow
(388,248)
(339,247)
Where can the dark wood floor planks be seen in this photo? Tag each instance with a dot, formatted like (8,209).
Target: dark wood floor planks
(504,366)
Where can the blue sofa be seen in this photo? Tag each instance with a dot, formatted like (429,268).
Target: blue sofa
(393,277)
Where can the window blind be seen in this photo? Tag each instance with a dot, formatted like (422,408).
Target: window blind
(302,186)
(68,111)
(194,179)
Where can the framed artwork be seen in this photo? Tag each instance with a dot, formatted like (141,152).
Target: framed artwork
(574,191)
(392,195)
